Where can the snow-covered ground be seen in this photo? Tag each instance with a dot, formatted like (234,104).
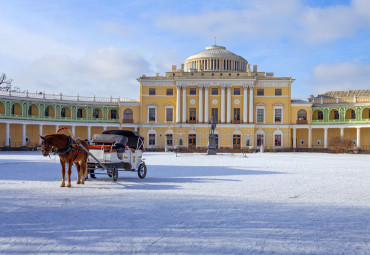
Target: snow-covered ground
(266,203)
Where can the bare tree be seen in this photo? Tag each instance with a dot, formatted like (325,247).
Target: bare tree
(6,84)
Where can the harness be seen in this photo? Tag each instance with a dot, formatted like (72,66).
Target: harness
(68,148)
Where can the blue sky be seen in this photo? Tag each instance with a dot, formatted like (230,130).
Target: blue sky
(91,47)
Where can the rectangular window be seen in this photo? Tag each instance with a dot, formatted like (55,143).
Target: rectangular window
(215,114)
(63,113)
(236,91)
(236,141)
(336,115)
(260,92)
(79,113)
(260,115)
(353,114)
(192,141)
(169,139)
(113,114)
(169,92)
(152,91)
(151,139)
(277,92)
(30,110)
(192,91)
(95,113)
(47,111)
(169,114)
(320,115)
(214,91)
(13,109)
(277,140)
(277,115)
(192,114)
(151,114)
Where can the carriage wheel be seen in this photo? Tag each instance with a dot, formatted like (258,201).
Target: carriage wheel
(115,174)
(142,171)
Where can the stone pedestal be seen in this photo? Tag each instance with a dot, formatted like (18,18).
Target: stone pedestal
(212,145)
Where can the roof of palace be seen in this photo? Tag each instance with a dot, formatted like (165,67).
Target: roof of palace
(216,51)
(347,93)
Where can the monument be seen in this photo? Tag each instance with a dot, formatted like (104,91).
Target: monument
(212,139)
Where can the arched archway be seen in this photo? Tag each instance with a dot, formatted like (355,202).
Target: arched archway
(49,111)
(366,113)
(65,113)
(318,115)
(334,115)
(350,114)
(2,108)
(16,109)
(33,110)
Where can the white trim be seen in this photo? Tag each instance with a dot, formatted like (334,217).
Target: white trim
(281,107)
(147,116)
(278,132)
(258,107)
(259,132)
(169,106)
(152,131)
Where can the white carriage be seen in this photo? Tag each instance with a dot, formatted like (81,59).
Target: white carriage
(116,150)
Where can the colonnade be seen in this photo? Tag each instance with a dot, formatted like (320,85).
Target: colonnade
(226,113)
(358,136)
(57,126)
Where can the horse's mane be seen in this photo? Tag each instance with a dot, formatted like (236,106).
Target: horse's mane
(53,138)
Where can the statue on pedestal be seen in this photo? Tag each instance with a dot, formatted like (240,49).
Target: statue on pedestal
(212,139)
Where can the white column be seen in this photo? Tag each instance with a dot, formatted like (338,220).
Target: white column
(23,134)
(228,104)
(294,138)
(250,104)
(358,142)
(206,104)
(40,133)
(73,130)
(178,106)
(7,136)
(56,128)
(184,105)
(309,137)
(200,105)
(245,105)
(222,104)
(342,133)
(325,138)
(88,132)
(105,128)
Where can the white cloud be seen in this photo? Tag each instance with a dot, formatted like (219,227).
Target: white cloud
(341,76)
(23,45)
(103,72)
(271,19)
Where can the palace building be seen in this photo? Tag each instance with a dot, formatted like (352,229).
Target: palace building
(251,108)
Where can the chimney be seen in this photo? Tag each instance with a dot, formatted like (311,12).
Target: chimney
(182,67)
(174,68)
(255,69)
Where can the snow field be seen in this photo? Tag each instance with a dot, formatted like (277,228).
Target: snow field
(265,203)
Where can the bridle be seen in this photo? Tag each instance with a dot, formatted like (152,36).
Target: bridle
(46,148)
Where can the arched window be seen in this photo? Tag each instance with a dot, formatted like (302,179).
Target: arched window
(302,115)
(47,111)
(128,116)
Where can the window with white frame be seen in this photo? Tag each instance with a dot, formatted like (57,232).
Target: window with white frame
(169,139)
(260,114)
(151,139)
(169,113)
(278,115)
(277,140)
(152,113)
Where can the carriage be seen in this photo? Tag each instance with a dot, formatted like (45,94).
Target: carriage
(116,150)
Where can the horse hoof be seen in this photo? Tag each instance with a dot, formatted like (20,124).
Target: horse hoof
(69,185)
(62,185)
(78,183)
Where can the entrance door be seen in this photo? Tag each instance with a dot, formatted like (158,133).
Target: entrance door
(192,141)
(259,140)
(236,141)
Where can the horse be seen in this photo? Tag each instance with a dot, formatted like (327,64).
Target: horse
(69,152)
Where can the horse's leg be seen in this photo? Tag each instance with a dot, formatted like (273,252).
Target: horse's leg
(69,174)
(78,172)
(83,170)
(63,163)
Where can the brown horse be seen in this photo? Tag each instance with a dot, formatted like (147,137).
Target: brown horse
(69,152)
